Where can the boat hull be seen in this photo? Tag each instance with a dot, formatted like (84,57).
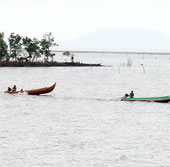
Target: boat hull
(34,91)
(163,99)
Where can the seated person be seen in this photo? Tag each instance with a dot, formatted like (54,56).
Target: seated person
(131,95)
(9,89)
(14,88)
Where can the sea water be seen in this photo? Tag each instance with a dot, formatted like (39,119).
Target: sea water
(83,123)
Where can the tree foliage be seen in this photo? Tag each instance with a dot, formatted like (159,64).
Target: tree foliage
(3,47)
(67,53)
(15,46)
(46,43)
(25,48)
(32,48)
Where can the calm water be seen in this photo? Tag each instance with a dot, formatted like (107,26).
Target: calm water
(82,123)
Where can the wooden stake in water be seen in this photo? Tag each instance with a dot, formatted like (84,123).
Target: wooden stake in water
(118,69)
(143,68)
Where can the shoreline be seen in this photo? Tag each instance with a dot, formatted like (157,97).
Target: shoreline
(46,64)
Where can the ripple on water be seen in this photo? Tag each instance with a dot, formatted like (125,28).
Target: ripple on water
(83,122)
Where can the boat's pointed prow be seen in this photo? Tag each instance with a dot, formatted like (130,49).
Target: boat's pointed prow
(53,86)
(41,90)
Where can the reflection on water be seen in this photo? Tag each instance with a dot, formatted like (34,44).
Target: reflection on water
(83,122)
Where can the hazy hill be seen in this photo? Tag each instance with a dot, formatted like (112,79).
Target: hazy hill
(121,38)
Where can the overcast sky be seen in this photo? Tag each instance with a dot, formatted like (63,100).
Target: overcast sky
(69,19)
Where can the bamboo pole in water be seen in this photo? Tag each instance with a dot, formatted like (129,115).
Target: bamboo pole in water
(143,68)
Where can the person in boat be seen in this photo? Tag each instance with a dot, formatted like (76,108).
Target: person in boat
(72,59)
(125,96)
(9,89)
(131,95)
(14,88)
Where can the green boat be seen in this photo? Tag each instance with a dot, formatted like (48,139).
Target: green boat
(163,99)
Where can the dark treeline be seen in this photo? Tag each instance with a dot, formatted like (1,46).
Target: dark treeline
(25,49)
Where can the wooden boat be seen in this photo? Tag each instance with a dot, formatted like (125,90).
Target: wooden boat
(34,91)
(163,99)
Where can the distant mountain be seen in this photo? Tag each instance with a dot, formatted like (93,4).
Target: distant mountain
(120,39)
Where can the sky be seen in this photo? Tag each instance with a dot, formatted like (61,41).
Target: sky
(71,19)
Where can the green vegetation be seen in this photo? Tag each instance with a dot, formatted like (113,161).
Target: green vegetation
(18,51)
(67,53)
(3,47)
(45,44)
(25,49)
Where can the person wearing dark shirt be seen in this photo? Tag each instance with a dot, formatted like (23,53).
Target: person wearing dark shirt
(14,88)
(131,95)
(9,89)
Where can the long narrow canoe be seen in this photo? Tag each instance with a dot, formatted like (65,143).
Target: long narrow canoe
(34,91)
(163,99)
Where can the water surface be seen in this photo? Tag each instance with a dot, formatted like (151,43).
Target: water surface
(83,123)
